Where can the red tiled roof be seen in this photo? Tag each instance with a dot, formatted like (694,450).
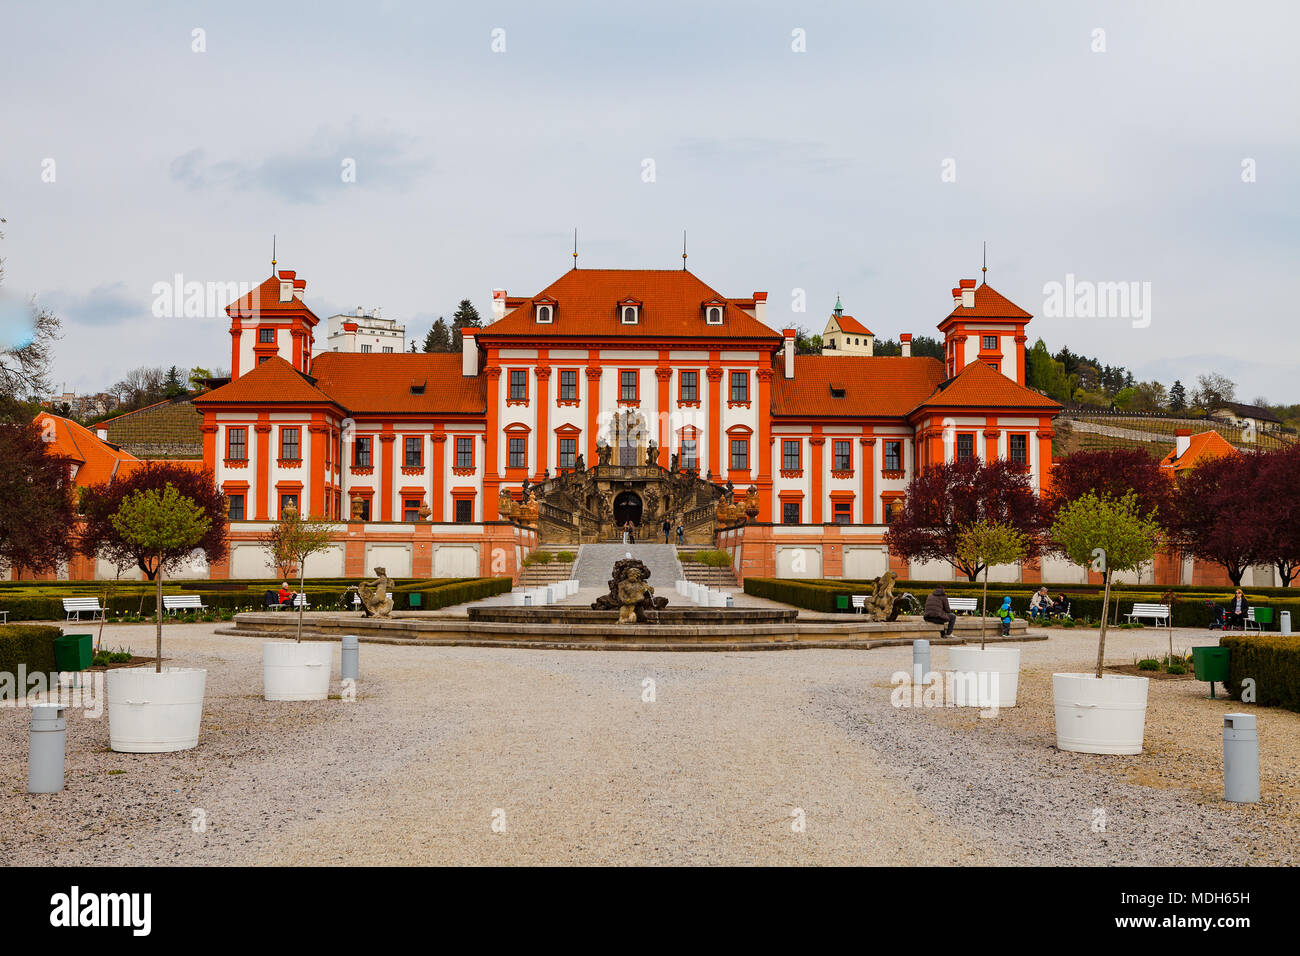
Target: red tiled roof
(273,381)
(672,305)
(874,386)
(978,386)
(1202,446)
(364,383)
(990,304)
(849,324)
(265,300)
(97,460)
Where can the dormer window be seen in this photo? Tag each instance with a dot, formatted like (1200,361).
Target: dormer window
(417,388)
(629,311)
(544,314)
(629,315)
(837,390)
(713,315)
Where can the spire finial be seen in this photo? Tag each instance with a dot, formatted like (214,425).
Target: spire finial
(575,247)
(683,250)
(272,253)
(839,309)
(985,268)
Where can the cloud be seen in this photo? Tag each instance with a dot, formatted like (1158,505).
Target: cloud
(333,159)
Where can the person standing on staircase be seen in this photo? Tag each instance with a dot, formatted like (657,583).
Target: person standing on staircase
(681,532)
(668,529)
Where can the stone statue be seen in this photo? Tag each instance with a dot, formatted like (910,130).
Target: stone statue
(505,504)
(546,474)
(523,490)
(375,599)
(629,593)
(651,453)
(672,463)
(881,605)
(729,492)
(579,463)
(425,511)
(603,453)
(358,506)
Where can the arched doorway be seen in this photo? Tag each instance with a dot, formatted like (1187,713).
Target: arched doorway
(627,507)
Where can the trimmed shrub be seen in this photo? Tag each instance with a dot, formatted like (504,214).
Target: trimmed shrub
(30,645)
(565,557)
(538,557)
(1271,661)
(458,592)
(713,559)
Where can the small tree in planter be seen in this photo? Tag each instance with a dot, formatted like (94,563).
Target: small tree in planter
(1105,534)
(983,543)
(292,541)
(161,523)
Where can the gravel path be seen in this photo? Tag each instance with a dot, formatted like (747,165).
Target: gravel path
(562,748)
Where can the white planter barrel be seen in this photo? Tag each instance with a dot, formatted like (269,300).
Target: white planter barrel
(293,671)
(150,713)
(1104,715)
(1004,662)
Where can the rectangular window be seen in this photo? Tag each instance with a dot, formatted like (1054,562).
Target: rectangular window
(690,459)
(843,456)
(464,510)
(740,386)
(414,456)
(790,455)
(842,512)
(568,452)
(740,454)
(464,453)
(1017,448)
(237,444)
(965,446)
(365,349)
(519,384)
(627,386)
(990,343)
(388,348)
(236,512)
(790,512)
(361,452)
(689,390)
(286,501)
(266,335)
(518,453)
(289,443)
(569,384)
(893,456)
(410,509)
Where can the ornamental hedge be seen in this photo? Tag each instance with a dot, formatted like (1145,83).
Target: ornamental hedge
(30,645)
(1272,661)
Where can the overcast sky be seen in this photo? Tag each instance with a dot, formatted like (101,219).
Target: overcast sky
(823,171)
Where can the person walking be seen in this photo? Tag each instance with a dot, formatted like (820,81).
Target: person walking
(668,529)
(681,534)
(1006,616)
(938,611)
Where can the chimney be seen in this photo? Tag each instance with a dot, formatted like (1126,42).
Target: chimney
(349,336)
(967,293)
(469,347)
(498,304)
(760,305)
(905,340)
(789,335)
(286,285)
(299,287)
(956,298)
(1182,441)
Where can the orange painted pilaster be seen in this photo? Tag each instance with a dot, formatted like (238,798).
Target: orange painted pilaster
(543,373)
(868,446)
(817,509)
(991,439)
(715,422)
(437,490)
(764,482)
(319,437)
(209,429)
(664,377)
(1044,454)
(263,430)
(593,413)
(491,478)
(386,438)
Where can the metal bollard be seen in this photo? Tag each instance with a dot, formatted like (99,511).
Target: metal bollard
(1285,618)
(48,742)
(920,660)
(1240,759)
(350,661)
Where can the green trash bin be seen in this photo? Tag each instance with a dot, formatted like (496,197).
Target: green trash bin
(73,652)
(1264,616)
(841,602)
(413,600)
(1210,664)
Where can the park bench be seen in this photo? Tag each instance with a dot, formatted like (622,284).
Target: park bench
(1157,612)
(298,600)
(183,602)
(962,605)
(859,602)
(82,605)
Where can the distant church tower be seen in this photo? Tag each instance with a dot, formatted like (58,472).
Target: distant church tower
(845,335)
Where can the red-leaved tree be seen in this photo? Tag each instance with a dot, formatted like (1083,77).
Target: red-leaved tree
(99,503)
(1277,493)
(36,503)
(943,499)
(1111,473)
(1218,514)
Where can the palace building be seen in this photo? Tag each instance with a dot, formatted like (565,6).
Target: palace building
(611,395)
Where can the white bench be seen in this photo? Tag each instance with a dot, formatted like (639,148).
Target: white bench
(183,602)
(82,605)
(1157,612)
(4,617)
(1250,619)
(859,602)
(298,600)
(962,605)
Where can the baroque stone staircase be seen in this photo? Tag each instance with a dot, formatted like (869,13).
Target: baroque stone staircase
(538,575)
(596,562)
(709,576)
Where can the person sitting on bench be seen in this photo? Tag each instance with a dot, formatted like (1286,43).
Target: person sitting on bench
(1238,608)
(1058,607)
(1040,603)
(284,595)
(938,611)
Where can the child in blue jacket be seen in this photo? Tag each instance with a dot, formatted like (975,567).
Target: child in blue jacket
(1006,615)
